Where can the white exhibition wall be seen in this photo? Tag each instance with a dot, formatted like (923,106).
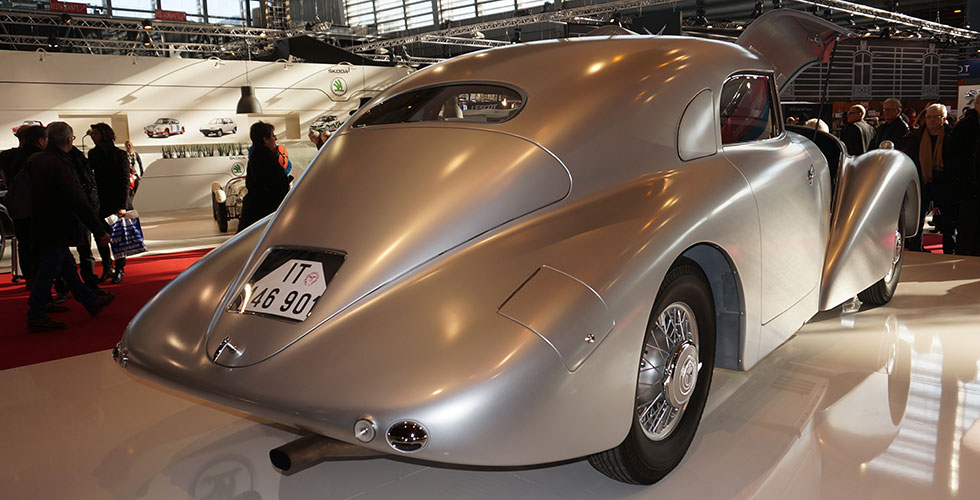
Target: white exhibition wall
(130,92)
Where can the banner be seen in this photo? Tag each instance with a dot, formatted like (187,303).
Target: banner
(69,7)
(170,15)
(969,69)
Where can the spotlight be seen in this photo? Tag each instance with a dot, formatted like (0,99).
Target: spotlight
(516,37)
(146,24)
(146,40)
(759,9)
(53,42)
(777,4)
(700,19)
(65,18)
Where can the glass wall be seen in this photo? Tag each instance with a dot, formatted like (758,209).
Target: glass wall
(394,15)
(217,11)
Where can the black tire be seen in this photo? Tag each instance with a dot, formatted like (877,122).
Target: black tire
(882,291)
(214,206)
(219,133)
(222,217)
(640,459)
(166,133)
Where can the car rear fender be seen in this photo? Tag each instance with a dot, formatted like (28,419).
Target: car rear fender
(871,193)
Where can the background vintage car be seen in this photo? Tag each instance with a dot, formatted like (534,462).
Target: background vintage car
(219,126)
(164,127)
(528,281)
(326,122)
(226,201)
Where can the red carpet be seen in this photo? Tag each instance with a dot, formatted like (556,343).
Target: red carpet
(145,276)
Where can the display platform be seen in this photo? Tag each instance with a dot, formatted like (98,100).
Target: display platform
(882,403)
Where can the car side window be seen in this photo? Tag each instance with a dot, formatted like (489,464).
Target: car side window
(747,111)
(473,103)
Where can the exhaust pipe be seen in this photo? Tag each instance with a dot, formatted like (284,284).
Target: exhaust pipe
(309,450)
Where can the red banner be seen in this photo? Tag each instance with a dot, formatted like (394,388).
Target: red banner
(69,7)
(170,15)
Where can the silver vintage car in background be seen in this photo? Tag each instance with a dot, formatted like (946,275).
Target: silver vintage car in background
(540,252)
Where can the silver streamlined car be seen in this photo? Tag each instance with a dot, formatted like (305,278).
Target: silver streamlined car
(552,272)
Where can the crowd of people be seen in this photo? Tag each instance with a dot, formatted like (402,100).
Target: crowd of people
(946,153)
(60,198)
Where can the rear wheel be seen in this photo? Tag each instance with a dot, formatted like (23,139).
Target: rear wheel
(883,291)
(166,133)
(222,217)
(672,385)
(219,133)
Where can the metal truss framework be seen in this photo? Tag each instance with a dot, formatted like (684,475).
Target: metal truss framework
(894,17)
(446,35)
(543,17)
(131,35)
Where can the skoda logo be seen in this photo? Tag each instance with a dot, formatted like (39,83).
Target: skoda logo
(338,86)
(237,169)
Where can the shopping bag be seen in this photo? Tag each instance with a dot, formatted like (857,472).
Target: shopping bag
(126,237)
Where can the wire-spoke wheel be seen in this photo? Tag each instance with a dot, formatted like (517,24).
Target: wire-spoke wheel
(675,368)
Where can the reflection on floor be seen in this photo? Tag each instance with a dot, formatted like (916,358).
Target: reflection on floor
(883,403)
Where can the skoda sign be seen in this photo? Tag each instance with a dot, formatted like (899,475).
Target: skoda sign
(338,86)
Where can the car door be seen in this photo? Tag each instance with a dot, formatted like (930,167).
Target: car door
(780,174)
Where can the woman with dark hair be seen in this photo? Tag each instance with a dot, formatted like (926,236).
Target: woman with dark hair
(111,167)
(265,179)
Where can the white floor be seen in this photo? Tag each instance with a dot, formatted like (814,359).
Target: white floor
(879,404)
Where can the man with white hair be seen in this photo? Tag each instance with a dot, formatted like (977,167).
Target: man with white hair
(930,149)
(857,134)
(57,199)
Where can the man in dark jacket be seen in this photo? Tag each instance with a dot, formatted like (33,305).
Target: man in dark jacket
(930,147)
(966,153)
(18,199)
(857,134)
(894,129)
(57,201)
(86,261)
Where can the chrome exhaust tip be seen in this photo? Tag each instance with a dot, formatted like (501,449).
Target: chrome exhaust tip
(407,436)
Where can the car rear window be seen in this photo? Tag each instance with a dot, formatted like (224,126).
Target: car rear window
(469,103)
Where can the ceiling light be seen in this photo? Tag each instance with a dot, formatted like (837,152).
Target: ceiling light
(147,24)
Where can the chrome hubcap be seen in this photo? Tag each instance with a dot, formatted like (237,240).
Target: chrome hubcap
(668,371)
(896,255)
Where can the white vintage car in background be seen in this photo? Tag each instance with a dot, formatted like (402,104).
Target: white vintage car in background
(219,126)
(553,272)
(164,127)
(226,201)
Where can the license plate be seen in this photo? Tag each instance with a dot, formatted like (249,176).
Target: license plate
(288,284)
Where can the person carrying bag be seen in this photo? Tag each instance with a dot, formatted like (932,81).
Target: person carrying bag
(126,237)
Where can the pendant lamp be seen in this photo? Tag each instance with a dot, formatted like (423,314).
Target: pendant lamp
(248,104)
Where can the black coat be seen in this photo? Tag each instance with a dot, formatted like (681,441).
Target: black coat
(966,156)
(12,161)
(111,167)
(267,185)
(58,200)
(857,137)
(896,131)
